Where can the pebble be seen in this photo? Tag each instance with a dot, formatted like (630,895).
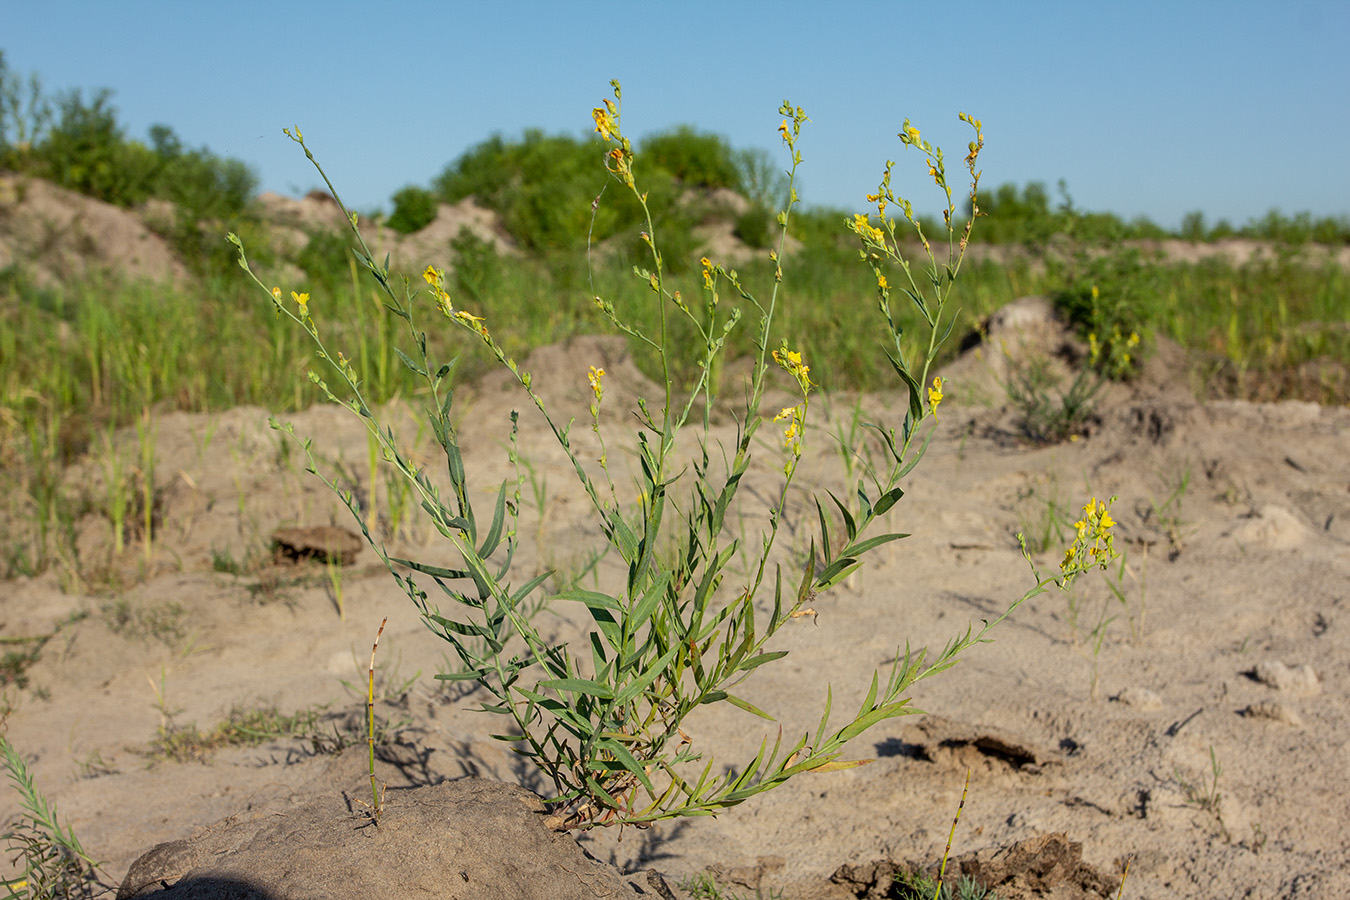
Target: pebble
(1273,710)
(1140,698)
(1300,680)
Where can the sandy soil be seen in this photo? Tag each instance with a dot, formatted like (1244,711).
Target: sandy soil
(1234,646)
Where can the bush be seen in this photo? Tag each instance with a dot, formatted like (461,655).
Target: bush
(542,186)
(414,209)
(86,151)
(754,227)
(695,159)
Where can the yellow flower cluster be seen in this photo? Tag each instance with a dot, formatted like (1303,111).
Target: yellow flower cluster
(869,232)
(791,362)
(1093,545)
(792,435)
(1115,343)
(595,376)
(436,279)
(619,161)
(879,198)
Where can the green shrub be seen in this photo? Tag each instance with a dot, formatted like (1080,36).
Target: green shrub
(414,209)
(695,159)
(87,152)
(542,186)
(754,227)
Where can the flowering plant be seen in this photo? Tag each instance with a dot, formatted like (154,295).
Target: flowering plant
(603,721)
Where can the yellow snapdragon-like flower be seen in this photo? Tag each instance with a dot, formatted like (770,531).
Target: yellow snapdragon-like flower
(792,435)
(883,283)
(867,230)
(935,395)
(276,293)
(604,123)
(595,376)
(791,362)
(910,135)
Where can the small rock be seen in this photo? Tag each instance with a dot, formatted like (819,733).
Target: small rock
(1274,710)
(1301,680)
(1140,698)
(324,543)
(1274,527)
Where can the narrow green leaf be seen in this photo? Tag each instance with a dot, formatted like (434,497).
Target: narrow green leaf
(641,683)
(824,531)
(887,500)
(841,764)
(494,534)
(622,754)
(592,599)
(825,716)
(849,524)
(647,605)
(804,589)
(881,713)
(837,571)
(579,686)
(749,707)
(415,368)
(755,662)
(862,547)
(528,587)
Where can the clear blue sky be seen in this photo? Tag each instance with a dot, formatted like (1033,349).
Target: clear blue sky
(1145,108)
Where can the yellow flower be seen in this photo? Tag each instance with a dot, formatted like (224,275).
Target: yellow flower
(300,299)
(467,317)
(276,293)
(883,283)
(911,133)
(867,230)
(791,361)
(783,130)
(603,123)
(793,433)
(595,377)
(431,275)
(707,272)
(443,303)
(935,395)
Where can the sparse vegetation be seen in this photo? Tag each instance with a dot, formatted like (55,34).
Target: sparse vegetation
(241,727)
(51,862)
